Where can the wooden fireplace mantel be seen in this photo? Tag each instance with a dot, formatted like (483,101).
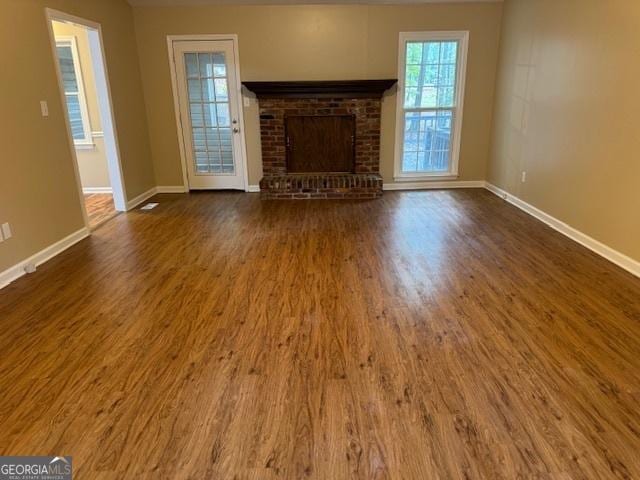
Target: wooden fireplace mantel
(321,89)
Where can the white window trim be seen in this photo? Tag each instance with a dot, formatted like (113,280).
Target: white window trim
(70,41)
(463,38)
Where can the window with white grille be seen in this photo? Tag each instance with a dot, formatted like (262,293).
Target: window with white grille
(432,69)
(76,102)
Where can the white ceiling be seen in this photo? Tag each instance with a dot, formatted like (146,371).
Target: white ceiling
(178,3)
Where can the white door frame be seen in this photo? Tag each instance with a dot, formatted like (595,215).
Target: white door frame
(103,91)
(171,39)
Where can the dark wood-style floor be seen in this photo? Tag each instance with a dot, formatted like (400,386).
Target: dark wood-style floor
(428,335)
(100,208)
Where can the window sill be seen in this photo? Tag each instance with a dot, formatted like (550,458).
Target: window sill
(84,146)
(434,177)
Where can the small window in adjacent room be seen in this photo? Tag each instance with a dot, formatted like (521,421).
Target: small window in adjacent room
(432,70)
(73,90)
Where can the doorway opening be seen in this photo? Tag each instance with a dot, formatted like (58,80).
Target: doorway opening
(80,64)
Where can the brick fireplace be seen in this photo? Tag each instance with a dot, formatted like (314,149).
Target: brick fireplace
(320,139)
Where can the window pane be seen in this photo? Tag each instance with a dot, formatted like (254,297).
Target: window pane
(449,52)
(214,157)
(196,115)
(431,52)
(206,65)
(411,139)
(423,161)
(445,96)
(411,98)
(213,141)
(65,58)
(212,138)
(429,97)
(447,75)
(208,93)
(210,116)
(199,143)
(202,162)
(410,162)
(225,136)
(414,53)
(430,76)
(222,95)
(195,90)
(227,161)
(440,161)
(223,114)
(427,140)
(219,67)
(191,61)
(75,117)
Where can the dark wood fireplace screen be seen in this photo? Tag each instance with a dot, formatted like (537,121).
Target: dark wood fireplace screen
(320,143)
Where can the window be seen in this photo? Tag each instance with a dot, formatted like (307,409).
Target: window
(73,90)
(432,69)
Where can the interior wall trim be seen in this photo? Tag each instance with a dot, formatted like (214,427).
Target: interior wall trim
(134,202)
(171,189)
(89,190)
(18,270)
(433,185)
(623,261)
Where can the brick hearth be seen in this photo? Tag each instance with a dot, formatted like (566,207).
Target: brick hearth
(301,186)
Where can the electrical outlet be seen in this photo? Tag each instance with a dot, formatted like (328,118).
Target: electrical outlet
(44,108)
(6,231)
(524,177)
(246,101)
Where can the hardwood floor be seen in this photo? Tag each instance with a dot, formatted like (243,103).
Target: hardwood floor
(427,335)
(100,208)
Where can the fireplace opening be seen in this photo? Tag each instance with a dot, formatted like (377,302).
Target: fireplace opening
(320,143)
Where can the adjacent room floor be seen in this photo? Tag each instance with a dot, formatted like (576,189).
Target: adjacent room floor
(100,208)
(440,334)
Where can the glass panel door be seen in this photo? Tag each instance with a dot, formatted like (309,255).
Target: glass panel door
(209,111)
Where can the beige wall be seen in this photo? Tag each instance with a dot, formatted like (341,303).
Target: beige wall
(92,162)
(567,108)
(38,194)
(317,43)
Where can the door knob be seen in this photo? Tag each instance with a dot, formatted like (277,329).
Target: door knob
(236,129)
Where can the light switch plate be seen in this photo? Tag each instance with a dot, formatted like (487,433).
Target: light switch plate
(6,231)
(246,101)
(44,108)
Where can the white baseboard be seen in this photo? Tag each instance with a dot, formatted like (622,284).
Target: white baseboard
(253,188)
(134,202)
(171,189)
(620,259)
(433,185)
(18,270)
(89,190)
